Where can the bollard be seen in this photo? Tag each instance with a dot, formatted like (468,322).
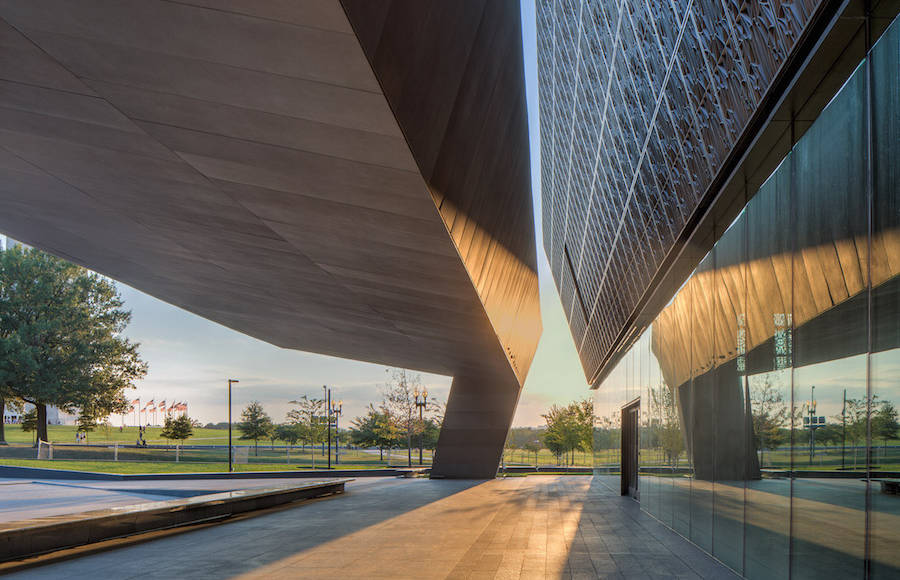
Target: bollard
(116,452)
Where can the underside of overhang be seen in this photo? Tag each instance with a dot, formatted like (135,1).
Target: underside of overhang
(280,170)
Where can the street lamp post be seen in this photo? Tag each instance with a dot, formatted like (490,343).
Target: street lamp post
(812,424)
(420,404)
(328,420)
(230,466)
(337,411)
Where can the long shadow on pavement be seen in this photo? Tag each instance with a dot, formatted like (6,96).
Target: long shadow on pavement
(245,546)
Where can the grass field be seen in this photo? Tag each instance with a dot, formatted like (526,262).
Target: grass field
(544,457)
(295,457)
(66,434)
(145,466)
(207,451)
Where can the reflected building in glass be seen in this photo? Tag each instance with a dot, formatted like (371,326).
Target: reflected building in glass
(721,212)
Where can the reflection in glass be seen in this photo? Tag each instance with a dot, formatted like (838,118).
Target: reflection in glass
(770,383)
(884,362)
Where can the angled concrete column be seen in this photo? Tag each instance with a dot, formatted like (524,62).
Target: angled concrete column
(479,413)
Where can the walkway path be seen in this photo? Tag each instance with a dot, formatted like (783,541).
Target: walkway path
(520,527)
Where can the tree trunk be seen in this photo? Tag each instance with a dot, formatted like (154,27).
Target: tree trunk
(256,447)
(41,422)
(2,422)
(381,454)
(409,448)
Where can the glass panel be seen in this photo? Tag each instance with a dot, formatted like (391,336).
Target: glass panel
(830,317)
(768,364)
(770,384)
(732,463)
(648,456)
(884,363)
(701,430)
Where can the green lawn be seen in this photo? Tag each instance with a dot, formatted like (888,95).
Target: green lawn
(545,457)
(143,466)
(66,434)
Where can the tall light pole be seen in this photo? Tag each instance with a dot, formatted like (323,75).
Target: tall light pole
(337,411)
(812,424)
(230,466)
(420,404)
(325,400)
(328,420)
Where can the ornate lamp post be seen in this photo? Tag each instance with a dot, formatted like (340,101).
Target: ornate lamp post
(420,404)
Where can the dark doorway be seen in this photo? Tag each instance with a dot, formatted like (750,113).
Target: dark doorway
(630,438)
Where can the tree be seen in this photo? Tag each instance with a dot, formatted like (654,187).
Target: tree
(288,433)
(669,436)
(255,424)
(60,337)
(29,421)
(533,446)
(7,400)
(85,423)
(369,431)
(769,413)
(178,428)
(569,428)
(310,421)
(857,415)
(884,422)
(399,405)
(431,431)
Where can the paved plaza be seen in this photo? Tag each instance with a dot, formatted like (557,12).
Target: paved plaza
(520,527)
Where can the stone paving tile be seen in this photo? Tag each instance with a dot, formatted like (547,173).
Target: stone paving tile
(534,527)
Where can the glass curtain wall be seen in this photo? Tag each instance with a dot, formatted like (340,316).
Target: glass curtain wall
(769,386)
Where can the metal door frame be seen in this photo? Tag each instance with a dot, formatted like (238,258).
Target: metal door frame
(630,449)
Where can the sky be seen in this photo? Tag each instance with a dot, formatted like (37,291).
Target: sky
(191,358)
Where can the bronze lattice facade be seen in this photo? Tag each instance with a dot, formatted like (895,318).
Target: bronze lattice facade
(641,107)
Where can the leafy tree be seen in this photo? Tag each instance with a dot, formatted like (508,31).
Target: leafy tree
(533,447)
(85,423)
(769,414)
(669,436)
(884,422)
(310,421)
(60,337)
(288,433)
(856,419)
(399,407)
(180,428)
(522,436)
(7,400)
(569,428)
(369,431)
(431,431)
(255,424)
(29,421)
